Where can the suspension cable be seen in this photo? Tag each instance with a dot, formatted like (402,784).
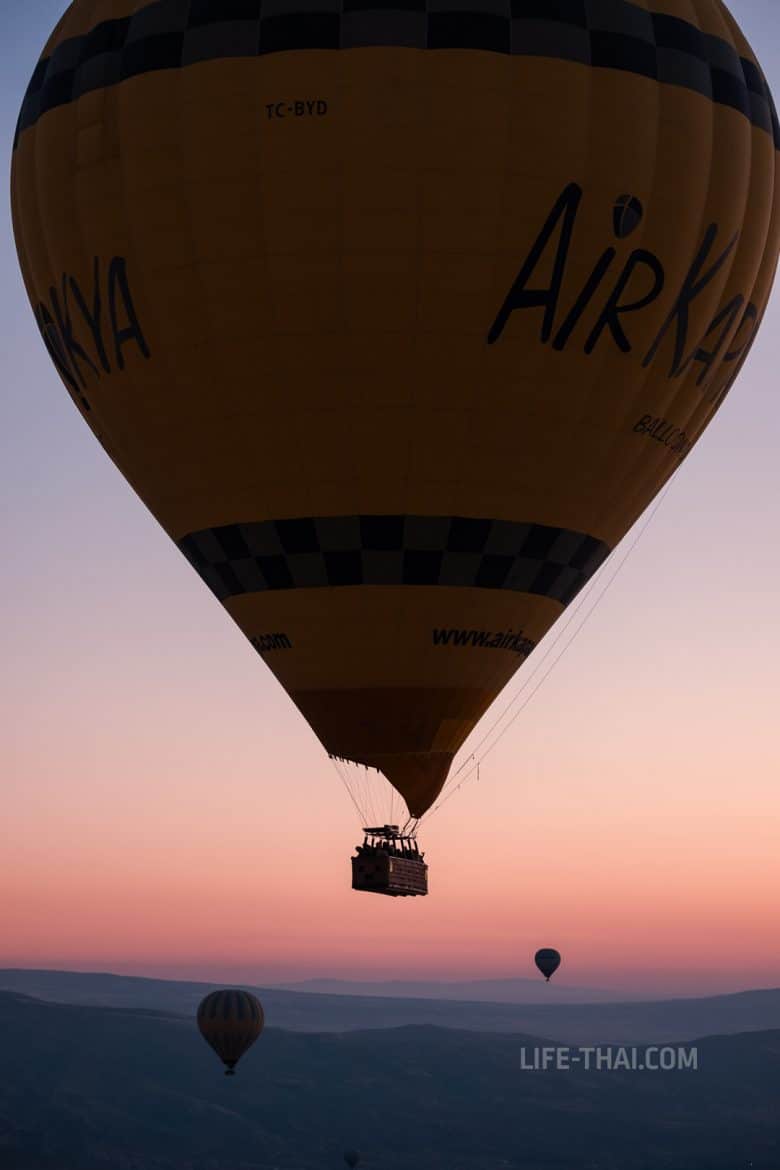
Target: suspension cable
(528,679)
(348,787)
(474,769)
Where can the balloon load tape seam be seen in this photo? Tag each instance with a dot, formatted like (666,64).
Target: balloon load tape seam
(626,37)
(451,551)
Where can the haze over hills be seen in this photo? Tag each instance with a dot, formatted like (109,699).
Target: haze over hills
(617,1023)
(85,1088)
(468,990)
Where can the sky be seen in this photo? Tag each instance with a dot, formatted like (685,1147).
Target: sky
(166,811)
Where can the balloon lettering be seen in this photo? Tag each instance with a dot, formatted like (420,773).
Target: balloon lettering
(66,341)
(558,232)
(693,286)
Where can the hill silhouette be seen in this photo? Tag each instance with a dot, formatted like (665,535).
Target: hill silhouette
(618,1023)
(523,991)
(85,1088)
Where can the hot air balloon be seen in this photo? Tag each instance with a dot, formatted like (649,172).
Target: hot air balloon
(548,961)
(397,320)
(352,1158)
(230,1021)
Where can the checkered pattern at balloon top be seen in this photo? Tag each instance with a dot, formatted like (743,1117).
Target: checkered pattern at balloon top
(333,551)
(605,34)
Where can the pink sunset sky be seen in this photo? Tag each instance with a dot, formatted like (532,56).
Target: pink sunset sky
(166,811)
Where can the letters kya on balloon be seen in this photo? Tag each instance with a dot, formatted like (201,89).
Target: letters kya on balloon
(86,329)
(107,321)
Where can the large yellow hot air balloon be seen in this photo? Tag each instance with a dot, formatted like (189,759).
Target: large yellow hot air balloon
(397,315)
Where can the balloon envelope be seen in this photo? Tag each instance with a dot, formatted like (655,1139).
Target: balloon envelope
(230,1021)
(548,961)
(396,323)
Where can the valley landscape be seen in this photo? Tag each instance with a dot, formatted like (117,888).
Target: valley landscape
(92,1087)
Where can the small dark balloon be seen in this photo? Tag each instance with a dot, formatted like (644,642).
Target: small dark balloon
(548,961)
(230,1021)
(352,1158)
(627,215)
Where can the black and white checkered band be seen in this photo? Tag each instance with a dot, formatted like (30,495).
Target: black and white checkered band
(604,34)
(330,551)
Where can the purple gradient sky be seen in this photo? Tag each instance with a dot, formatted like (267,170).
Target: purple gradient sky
(154,774)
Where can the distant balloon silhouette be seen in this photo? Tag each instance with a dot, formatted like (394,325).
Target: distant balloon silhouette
(352,1158)
(548,961)
(230,1021)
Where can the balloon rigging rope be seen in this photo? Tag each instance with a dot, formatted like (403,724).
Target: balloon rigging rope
(347,785)
(375,790)
(368,794)
(588,592)
(358,782)
(472,759)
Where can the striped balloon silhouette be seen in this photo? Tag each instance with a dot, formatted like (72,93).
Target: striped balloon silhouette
(230,1021)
